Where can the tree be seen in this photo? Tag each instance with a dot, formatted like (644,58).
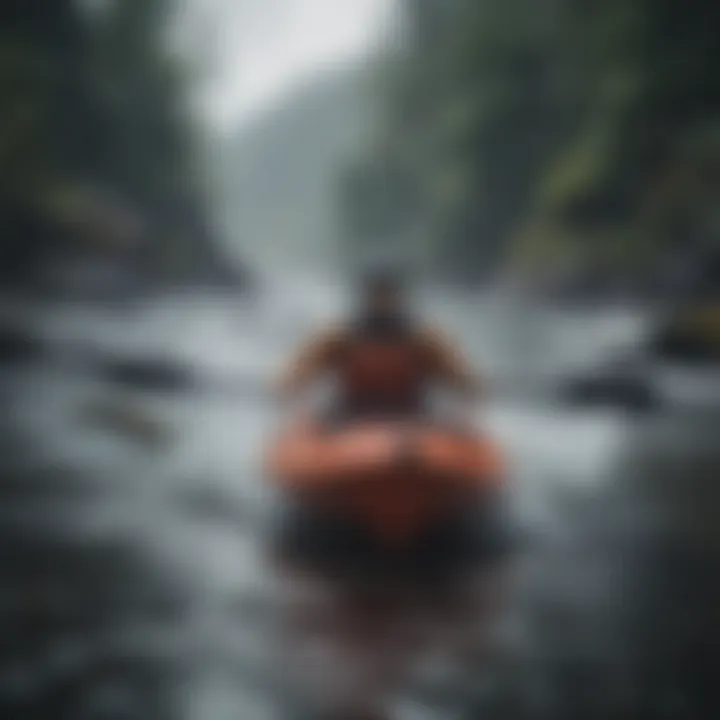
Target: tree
(94,105)
(583,129)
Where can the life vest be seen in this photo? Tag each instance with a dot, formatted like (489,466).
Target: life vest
(382,367)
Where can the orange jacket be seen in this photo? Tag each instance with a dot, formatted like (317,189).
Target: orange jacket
(393,370)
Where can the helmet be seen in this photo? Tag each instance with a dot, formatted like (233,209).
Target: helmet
(382,277)
(383,281)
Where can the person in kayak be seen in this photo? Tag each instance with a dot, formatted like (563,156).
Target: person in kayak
(383,363)
(385,367)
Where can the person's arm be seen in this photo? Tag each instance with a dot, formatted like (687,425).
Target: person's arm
(451,367)
(310,362)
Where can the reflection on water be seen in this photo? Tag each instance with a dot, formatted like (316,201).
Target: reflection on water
(132,573)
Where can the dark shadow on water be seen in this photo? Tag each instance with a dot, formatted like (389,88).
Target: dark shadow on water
(66,605)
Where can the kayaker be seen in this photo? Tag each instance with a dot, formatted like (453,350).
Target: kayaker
(384,366)
(373,607)
(382,361)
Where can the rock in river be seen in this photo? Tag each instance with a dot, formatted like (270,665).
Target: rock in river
(148,374)
(19,345)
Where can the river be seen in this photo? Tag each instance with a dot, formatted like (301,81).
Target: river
(132,584)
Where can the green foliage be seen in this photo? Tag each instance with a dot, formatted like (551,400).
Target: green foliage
(585,130)
(93,99)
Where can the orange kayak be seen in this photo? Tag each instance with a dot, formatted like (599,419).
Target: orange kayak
(394,479)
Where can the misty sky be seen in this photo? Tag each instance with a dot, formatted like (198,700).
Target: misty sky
(262,48)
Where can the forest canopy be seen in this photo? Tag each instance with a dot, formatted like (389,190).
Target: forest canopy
(96,142)
(585,133)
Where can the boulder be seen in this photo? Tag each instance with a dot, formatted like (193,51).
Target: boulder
(19,345)
(128,420)
(148,373)
(630,393)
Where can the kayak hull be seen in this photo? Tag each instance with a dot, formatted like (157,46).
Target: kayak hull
(394,479)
